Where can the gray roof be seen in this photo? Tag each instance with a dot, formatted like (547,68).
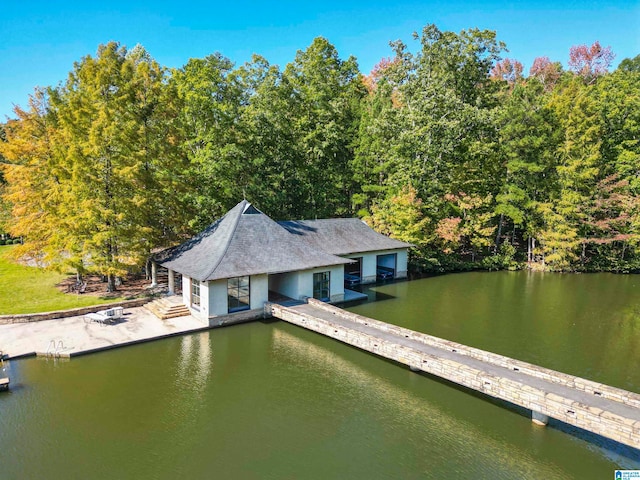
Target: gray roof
(342,236)
(243,242)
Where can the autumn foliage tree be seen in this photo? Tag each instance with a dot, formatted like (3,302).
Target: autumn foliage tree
(34,193)
(590,62)
(546,72)
(508,70)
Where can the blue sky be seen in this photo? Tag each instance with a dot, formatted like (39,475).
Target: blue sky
(40,41)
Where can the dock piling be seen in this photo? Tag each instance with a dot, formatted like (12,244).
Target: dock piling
(539,418)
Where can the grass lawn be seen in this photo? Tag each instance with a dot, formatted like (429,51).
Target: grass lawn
(29,289)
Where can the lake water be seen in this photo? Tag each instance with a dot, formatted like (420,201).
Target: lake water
(270,400)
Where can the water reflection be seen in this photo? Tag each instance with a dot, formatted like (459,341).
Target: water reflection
(194,362)
(450,432)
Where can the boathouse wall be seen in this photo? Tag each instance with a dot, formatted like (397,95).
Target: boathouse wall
(336,283)
(403,259)
(299,285)
(186,291)
(259,291)
(217,297)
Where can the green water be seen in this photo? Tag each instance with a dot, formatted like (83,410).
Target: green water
(270,400)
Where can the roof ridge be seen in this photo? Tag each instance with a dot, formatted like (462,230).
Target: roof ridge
(224,252)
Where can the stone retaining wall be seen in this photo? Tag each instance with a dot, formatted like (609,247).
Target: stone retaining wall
(74,312)
(607,424)
(595,388)
(238,317)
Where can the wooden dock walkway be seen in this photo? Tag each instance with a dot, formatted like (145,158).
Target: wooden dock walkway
(607,411)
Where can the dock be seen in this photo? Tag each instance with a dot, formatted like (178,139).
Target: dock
(608,411)
(4,379)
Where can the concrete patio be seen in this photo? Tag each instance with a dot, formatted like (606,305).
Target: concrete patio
(72,336)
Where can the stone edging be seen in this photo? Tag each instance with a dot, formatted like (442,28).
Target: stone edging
(589,386)
(74,312)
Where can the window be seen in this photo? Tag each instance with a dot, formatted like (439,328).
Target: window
(238,294)
(195,293)
(321,286)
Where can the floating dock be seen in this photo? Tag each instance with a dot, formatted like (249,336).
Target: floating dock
(604,410)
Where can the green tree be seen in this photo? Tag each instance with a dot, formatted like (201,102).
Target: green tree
(5,210)
(116,120)
(611,229)
(95,174)
(528,132)
(324,103)
(630,65)
(429,124)
(298,132)
(380,126)
(579,162)
(210,99)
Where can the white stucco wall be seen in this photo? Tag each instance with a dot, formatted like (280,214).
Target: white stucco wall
(369,266)
(186,290)
(259,293)
(204,300)
(401,269)
(336,282)
(203,310)
(218,304)
(298,285)
(336,286)
(217,294)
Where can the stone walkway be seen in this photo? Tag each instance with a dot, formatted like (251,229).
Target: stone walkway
(480,366)
(610,412)
(74,335)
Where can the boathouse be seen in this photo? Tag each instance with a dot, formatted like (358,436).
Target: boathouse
(245,259)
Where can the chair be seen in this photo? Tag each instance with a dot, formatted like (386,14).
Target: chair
(113,314)
(98,317)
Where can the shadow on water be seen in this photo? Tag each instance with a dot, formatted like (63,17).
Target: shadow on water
(372,294)
(617,452)
(614,450)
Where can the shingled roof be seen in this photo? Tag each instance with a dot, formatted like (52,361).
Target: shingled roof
(243,242)
(342,236)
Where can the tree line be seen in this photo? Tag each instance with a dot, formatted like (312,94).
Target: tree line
(447,145)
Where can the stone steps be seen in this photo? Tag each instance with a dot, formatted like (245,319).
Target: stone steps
(164,308)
